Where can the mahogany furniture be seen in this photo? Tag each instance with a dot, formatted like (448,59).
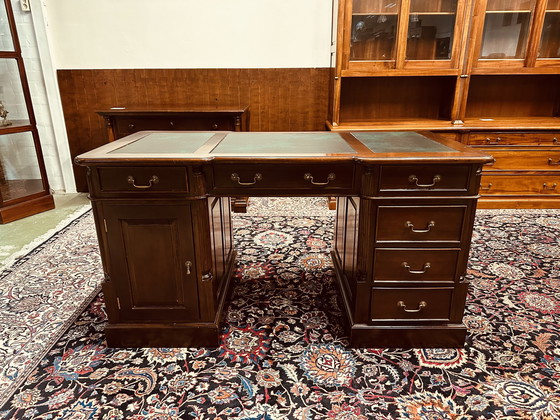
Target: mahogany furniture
(24,188)
(404,221)
(475,69)
(122,121)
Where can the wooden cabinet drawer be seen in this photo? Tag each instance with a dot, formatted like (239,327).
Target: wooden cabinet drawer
(321,178)
(515,139)
(148,179)
(524,159)
(420,223)
(126,126)
(423,179)
(415,265)
(393,304)
(520,184)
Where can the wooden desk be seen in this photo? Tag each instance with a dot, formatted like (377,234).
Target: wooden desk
(406,206)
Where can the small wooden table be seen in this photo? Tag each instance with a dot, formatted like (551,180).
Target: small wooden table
(405,212)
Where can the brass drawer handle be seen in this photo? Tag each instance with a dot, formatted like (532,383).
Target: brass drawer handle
(421,306)
(486,188)
(188,266)
(410,225)
(489,141)
(153,180)
(207,277)
(309,177)
(258,177)
(426,267)
(551,188)
(552,163)
(555,140)
(131,126)
(414,178)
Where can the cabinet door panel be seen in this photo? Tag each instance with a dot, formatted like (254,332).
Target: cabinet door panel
(158,280)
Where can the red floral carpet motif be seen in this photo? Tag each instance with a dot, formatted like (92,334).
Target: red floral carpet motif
(283,353)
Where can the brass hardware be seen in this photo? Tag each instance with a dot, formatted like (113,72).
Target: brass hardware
(552,163)
(118,303)
(426,267)
(309,177)
(414,178)
(486,188)
(153,180)
(489,141)
(551,188)
(421,305)
(256,178)
(171,123)
(105,223)
(555,140)
(214,126)
(410,225)
(188,266)
(131,126)
(207,277)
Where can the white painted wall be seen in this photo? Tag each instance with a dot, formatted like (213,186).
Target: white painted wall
(103,34)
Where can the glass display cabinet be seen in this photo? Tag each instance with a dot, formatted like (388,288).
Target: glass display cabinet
(388,34)
(24,189)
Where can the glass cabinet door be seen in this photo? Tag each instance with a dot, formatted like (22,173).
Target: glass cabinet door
(431,28)
(550,39)
(403,34)
(506,29)
(374,29)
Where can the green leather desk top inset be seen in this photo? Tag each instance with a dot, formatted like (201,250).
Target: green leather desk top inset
(400,142)
(277,144)
(166,143)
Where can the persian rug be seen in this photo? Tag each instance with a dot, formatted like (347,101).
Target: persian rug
(42,293)
(283,355)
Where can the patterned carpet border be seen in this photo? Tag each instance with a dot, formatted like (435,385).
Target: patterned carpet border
(41,296)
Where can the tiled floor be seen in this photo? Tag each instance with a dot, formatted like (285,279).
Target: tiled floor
(21,235)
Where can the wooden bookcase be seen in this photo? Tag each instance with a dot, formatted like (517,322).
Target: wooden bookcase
(468,69)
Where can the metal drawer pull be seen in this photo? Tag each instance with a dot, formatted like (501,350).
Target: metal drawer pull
(546,187)
(414,178)
(486,188)
(188,266)
(552,163)
(426,266)
(421,305)
(258,177)
(153,180)
(410,225)
(489,141)
(309,177)
(555,140)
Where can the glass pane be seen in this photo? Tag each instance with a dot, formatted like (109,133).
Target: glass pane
(374,29)
(430,29)
(550,40)
(6,43)
(13,108)
(19,169)
(506,29)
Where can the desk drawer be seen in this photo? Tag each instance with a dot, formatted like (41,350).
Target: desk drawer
(519,184)
(321,178)
(524,159)
(424,179)
(146,179)
(394,304)
(515,139)
(415,265)
(420,223)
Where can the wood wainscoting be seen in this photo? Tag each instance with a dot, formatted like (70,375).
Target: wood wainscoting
(293,99)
